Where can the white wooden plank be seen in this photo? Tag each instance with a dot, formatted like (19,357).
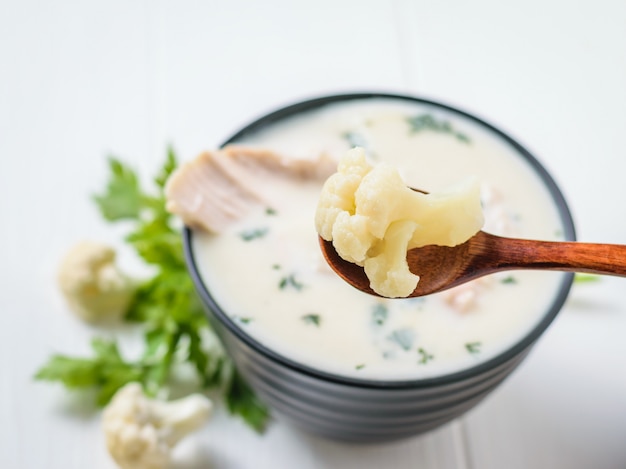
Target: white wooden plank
(222,64)
(564,408)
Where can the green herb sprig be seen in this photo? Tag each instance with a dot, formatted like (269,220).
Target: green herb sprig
(175,327)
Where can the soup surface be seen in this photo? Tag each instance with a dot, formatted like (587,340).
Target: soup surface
(267,272)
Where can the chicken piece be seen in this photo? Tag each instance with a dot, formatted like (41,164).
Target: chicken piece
(220,187)
(259,161)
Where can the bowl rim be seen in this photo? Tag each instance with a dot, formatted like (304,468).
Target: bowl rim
(522,344)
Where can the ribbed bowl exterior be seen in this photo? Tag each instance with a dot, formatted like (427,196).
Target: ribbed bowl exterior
(358,413)
(355,410)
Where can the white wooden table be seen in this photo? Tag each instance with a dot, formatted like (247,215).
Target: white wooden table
(79,80)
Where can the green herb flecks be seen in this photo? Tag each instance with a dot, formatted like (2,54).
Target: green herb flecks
(379,314)
(429,122)
(176,329)
(425,357)
(243,320)
(586,278)
(403,337)
(275,266)
(314,319)
(270,211)
(249,235)
(290,281)
(473,347)
(360,366)
(510,280)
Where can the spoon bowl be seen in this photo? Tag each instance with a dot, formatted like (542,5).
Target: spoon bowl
(443,267)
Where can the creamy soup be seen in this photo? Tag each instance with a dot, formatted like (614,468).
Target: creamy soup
(267,272)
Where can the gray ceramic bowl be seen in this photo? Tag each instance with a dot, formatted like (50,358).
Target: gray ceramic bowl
(363,410)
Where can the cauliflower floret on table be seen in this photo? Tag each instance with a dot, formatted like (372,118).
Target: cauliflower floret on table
(92,284)
(141,432)
(373,218)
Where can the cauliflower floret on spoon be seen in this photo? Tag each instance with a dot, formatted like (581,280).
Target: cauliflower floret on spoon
(373,218)
(141,432)
(386,265)
(335,218)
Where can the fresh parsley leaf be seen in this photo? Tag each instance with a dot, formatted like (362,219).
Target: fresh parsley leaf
(360,366)
(241,400)
(106,371)
(510,280)
(122,198)
(158,243)
(166,304)
(168,168)
(74,373)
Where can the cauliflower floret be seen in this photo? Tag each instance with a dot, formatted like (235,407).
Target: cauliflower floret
(339,190)
(352,237)
(387,267)
(141,432)
(373,218)
(92,284)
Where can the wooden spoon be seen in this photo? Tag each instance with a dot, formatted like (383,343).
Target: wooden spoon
(441,267)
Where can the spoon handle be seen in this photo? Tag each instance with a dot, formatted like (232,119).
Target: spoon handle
(500,253)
